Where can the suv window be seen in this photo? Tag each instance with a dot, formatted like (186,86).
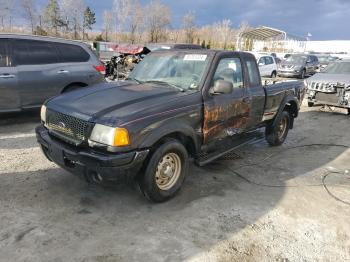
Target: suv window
(262,61)
(268,60)
(72,53)
(230,69)
(33,52)
(253,72)
(4,59)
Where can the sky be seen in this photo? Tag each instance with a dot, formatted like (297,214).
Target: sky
(324,19)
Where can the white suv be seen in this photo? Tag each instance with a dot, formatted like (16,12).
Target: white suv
(267,66)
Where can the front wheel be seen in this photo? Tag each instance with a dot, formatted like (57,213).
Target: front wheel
(302,74)
(165,172)
(274,74)
(276,134)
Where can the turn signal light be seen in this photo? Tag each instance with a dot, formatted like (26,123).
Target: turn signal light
(121,137)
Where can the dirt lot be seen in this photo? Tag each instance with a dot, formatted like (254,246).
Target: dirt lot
(289,203)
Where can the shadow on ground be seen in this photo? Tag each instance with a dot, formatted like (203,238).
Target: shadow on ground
(50,215)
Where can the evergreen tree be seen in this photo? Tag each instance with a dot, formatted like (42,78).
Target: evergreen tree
(89,20)
(52,16)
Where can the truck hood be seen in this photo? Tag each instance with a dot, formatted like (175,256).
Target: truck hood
(110,102)
(330,79)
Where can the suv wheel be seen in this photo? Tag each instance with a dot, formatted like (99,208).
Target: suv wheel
(165,172)
(276,134)
(302,74)
(274,74)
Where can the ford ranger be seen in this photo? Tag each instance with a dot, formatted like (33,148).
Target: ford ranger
(176,106)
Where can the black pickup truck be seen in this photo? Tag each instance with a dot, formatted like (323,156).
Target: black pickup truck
(175,106)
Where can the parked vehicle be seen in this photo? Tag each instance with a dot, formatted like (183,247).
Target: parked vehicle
(267,65)
(120,66)
(33,69)
(331,86)
(175,105)
(325,60)
(299,65)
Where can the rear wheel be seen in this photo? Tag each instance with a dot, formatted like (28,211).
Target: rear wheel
(276,134)
(274,74)
(165,172)
(348,111)
(302,74)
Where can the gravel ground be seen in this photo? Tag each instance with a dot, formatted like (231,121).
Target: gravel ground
(288,203)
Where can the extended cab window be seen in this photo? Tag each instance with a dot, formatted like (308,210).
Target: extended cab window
(253,72)
(72,53)
(4,59)
(230,69)
(31,52)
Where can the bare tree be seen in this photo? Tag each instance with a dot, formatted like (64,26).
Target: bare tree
(74,15)
(107,23)
(6,8)
(121,10)
(137,22)
(224,31)
(158,17)
(29,12)
(188,23)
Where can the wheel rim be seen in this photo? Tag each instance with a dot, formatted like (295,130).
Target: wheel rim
(282,127)
(168,171)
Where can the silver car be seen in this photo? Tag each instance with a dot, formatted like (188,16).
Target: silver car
(33,69)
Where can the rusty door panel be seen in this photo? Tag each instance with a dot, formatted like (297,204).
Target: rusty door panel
(225,115)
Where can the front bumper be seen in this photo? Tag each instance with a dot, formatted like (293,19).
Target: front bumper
(90,164)
(337,99)
(289,73)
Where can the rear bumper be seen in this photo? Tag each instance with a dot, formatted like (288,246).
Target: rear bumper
(92,165)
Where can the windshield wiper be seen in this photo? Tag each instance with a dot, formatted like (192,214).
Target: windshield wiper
(165,83)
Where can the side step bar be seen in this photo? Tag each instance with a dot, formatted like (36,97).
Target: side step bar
(206,158)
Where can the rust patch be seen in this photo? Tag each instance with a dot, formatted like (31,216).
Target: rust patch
(218,119)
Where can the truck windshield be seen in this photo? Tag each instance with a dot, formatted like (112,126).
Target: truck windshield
(177,69)
(338,68)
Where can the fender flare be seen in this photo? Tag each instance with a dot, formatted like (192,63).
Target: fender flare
(287,101)
(169,128)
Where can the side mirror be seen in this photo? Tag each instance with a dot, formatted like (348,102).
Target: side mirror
(261,64)
(221,87)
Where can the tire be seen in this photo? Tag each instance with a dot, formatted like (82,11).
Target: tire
(71,88)
(310,104)
(275,135)
(171,157)
(348,111)
(302,74)
(274,74)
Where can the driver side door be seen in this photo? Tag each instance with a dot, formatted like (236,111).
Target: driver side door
(225,114)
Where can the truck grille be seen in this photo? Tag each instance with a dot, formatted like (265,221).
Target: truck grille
(69,128)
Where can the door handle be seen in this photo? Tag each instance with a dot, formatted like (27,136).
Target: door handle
(62,72)
(6,76)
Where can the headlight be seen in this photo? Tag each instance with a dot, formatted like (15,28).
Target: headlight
(43,113)
(112,136)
